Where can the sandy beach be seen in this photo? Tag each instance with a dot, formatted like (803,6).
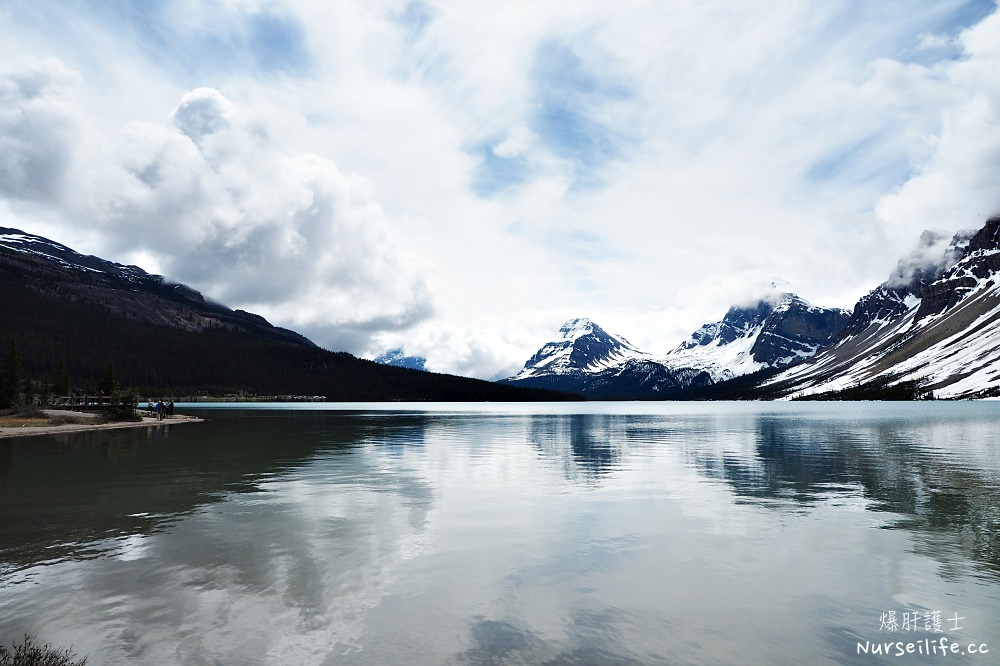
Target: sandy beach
(83,424)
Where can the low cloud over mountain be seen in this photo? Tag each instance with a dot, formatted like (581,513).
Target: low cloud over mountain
(209,198)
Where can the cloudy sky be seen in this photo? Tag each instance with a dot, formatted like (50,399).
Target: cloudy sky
(458,178)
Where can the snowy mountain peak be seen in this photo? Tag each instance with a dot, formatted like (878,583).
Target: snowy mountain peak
(934,256)
(399,358)
(737,323)
(578,327)
(742,321)
(930,327)
(935,253)
(778,330)
(580,346)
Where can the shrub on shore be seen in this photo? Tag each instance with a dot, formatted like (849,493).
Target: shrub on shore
(29,653)
(122,407)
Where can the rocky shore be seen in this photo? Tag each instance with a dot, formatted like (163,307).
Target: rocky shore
(63,421)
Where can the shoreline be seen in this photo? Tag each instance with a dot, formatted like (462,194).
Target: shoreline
(146,422)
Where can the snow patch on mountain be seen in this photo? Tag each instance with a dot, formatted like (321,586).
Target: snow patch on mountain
(780,330)
(29,244)
(935,322)
(723,359)
(398,358)
(776,331)
(580,346)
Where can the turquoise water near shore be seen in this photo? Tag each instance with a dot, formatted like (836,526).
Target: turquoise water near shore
(594,533)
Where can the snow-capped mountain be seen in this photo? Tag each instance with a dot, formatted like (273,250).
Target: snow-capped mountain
(398,358)
(933,326)
(580,346)
(778,331)
(775,332)
(583,358)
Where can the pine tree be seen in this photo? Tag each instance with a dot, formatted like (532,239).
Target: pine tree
(108,383)
(60,383)
(10,376)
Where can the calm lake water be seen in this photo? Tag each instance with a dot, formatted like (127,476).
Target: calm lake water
(609,533)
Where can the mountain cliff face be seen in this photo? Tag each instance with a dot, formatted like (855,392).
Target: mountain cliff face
(914,275)
(932,325)
(776,332)
(773,333)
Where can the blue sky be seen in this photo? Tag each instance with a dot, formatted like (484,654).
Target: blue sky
(460,178)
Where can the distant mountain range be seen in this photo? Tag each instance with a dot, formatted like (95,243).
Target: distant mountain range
(774,332)
(930,330)
(65,309)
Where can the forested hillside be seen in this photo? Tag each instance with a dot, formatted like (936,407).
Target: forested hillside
(83,313)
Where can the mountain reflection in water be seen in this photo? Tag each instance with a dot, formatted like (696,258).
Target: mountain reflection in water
(596,533)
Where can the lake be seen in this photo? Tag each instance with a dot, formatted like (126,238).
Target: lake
(594,533)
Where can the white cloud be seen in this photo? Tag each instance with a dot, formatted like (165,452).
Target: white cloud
(202,112)
(516,163)
(928,42)
(216,204)
(517,142)
(957,183)
(36,131)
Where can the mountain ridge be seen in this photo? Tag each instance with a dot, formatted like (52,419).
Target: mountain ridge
(928,328)
(127,290)
(931,329)
(934,331)
(777,331)
(81,312)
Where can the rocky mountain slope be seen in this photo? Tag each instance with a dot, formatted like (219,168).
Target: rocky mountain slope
(67,310)
(580,346)
(585,359)
(776,332)
(52,270)
(933,327)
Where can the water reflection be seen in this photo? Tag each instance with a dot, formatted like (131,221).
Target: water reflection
(941,494)
(63,495)
(587,446)
(590,640)
(683,536)
(193,552)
